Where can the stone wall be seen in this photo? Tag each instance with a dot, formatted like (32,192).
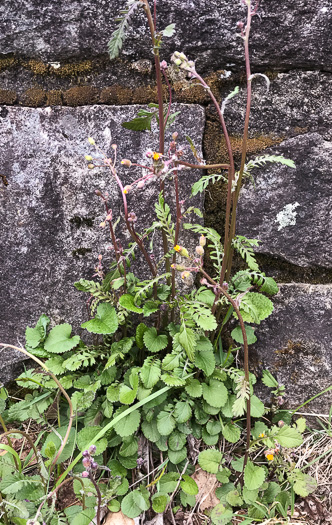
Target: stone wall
(57,86)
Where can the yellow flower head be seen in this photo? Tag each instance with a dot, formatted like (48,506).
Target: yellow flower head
(177,248)
(270,457)
(262,435)
(156,156)
(91,140)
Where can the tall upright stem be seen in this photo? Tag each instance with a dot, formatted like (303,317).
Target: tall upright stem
(152,26)
(246,128)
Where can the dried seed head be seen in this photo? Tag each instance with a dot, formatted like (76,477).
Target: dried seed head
(91,166)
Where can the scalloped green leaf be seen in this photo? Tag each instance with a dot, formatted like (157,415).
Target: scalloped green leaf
(254,476)
(215,393)
(153,341)
(209,460)
(104,322)
(59,340)
(127,425)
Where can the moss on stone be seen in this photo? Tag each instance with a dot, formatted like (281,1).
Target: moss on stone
(80,252)
(7,62)
(7,97)
(54,98)
(73,69)
(81,96)
(34,97)
(82,221)
(116,95)
(36,66)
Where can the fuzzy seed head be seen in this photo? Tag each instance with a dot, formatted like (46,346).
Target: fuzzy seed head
(199,250)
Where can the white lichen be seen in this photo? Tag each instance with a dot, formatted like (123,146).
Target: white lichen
(287,216)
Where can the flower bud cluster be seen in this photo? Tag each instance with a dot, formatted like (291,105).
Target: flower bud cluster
(132,217)
(88,462)
(180,60)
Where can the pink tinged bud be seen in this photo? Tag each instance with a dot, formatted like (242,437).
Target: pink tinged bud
(149,154)
(202,240)
(100,257)
(102,224)
(225,286)
(175,135)
(204,281)
(94,465)
(85,474)
(126,189)
(91,166)
(126,162)
(280,400)
(98,193)
(240,25)
(92,449)
(185,275)
(163,64)
(86,462)
(85,453)
(199,250)
(114,146)
(141,184)
(281,423)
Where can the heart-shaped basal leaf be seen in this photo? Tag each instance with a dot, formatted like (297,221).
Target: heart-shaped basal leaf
(215,393)
(153,341)
(209,460)
(59,340)
(105,321)
(254,476)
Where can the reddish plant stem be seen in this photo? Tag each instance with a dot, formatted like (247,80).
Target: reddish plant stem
(246,128)
(98,497)
(202,166)
(170,97)
(130,229)
(177,231)
(116,248)
(152,26)
(245,363)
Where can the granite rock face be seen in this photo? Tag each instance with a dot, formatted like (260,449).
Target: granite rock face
(294,344)
(297,102)
(290,210)
(54,31)
(50,215)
